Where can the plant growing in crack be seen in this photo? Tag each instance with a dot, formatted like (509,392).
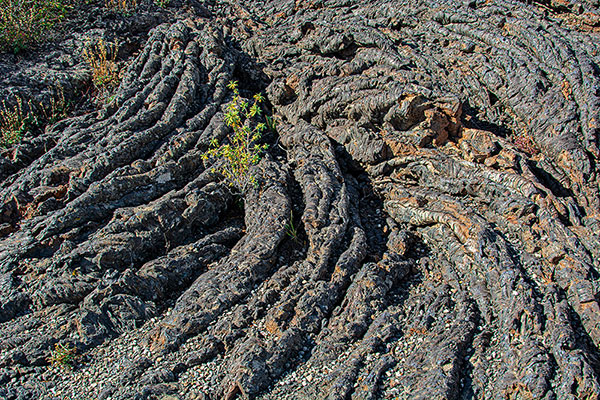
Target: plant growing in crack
(62,356)
(58,107)
(292,230)
(101,58)
(243,150)
(15,122)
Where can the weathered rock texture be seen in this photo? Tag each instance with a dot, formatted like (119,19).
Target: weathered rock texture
(439,159)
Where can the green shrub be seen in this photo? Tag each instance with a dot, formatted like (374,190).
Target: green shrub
(14,123)
(243,151)
(25,22)
(62,356)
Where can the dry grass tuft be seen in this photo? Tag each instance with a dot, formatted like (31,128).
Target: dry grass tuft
(122,6)
(101,57)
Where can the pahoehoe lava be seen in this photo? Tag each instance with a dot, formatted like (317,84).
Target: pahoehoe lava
(439,158)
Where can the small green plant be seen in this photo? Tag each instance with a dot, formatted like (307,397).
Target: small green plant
(271,123)
(162,3)
(243,150)
(62,356)
(14,123)
(291,230)
(25,22)
(101,57)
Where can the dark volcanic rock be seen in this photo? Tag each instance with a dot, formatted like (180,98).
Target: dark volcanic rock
(439,159)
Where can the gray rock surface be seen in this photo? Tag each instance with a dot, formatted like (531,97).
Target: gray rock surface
(438,158)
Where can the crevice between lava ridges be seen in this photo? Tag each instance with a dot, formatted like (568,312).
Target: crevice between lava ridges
(475,275)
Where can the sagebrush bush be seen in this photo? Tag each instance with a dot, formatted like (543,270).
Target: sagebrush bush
(243,150)
(25,22)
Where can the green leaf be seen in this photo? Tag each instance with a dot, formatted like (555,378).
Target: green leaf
(255,110)
(232,85)
(259,98)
